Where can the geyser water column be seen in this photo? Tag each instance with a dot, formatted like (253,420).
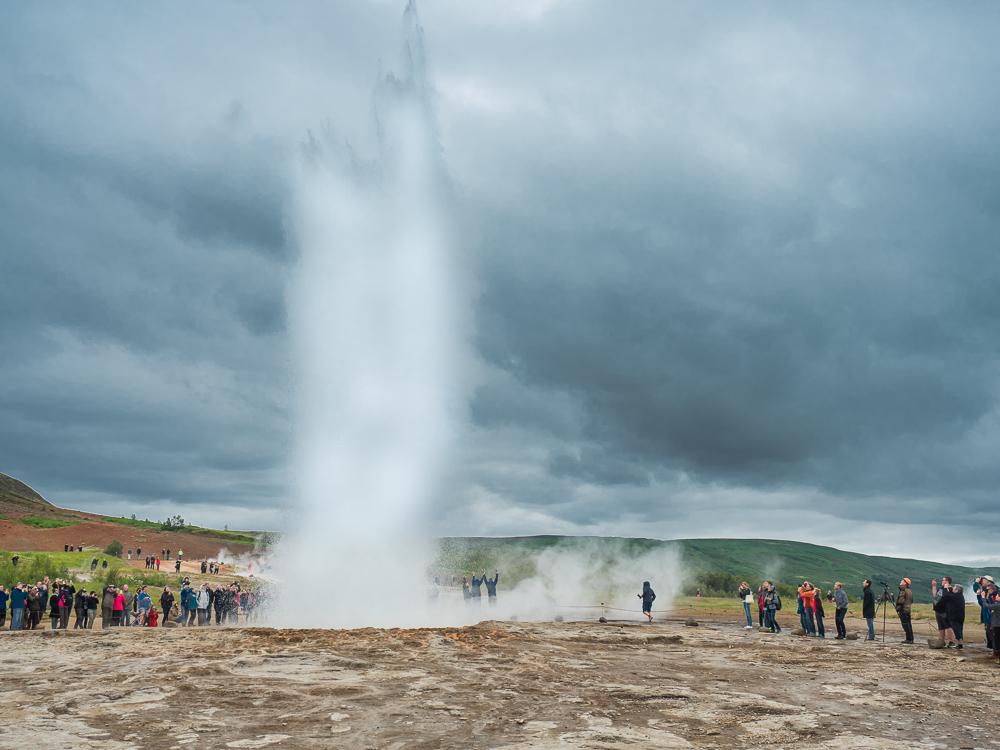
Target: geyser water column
(375,323)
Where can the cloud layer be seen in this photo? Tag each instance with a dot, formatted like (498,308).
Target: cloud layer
(736,267)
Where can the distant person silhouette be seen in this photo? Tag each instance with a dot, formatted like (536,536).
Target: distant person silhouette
(491,587)
(477,592)
(647,596)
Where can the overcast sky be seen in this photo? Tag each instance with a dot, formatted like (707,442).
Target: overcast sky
(737,264)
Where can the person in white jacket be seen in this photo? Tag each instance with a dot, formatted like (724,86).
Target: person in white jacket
(204,599)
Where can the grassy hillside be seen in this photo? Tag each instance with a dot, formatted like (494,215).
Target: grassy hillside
(23,507)
(716,566)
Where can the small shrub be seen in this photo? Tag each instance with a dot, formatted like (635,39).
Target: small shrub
(114,549)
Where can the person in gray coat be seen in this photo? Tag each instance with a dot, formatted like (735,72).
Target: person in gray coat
(204,600)
(840,599)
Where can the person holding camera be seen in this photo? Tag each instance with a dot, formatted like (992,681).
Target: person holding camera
(984,614)
(807,595)
(941,614)
(904,604)
(951,606)
(772,603)
(745,595)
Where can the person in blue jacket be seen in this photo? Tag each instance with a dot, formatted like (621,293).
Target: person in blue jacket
(18,597)
(647,597)
(984,614)
(4,597)
(477,591)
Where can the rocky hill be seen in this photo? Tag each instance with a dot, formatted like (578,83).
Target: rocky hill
(29,522)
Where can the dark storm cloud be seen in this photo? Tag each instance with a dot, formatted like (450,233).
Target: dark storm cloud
(730,259)
(766,260)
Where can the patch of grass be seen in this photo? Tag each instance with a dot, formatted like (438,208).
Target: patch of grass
(717,566)
(135,578)
(46,523)
(229,536)
(30,568)
(134,523)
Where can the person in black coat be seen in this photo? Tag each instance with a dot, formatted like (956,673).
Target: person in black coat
(54,610)
(951,606)
(166,602)
(491,587)
(80,609)
(647,597)
(868,610)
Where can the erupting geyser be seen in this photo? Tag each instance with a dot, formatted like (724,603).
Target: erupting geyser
(375,321)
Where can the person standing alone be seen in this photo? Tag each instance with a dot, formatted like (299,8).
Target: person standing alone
(647,596)
(840,600)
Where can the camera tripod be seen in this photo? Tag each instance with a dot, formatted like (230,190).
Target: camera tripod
(883,601)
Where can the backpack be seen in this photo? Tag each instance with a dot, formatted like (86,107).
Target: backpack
(777,601)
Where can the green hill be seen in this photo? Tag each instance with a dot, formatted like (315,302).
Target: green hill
(716,566)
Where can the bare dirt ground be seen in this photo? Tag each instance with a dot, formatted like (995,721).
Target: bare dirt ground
(15,536)
(493,685)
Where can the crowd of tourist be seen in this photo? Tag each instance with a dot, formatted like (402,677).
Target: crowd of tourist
(949,609)
(119,607)
(472,591)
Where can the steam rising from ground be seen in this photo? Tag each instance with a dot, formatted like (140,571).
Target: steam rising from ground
(376,325)
(573,581)
(377,316)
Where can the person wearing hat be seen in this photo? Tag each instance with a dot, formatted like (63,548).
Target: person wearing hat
(904,603)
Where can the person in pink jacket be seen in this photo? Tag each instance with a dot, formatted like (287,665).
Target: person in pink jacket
(118,609)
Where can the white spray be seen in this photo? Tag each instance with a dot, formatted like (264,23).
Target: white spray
(376,323)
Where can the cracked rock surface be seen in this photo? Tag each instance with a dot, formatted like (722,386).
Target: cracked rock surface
(492,685)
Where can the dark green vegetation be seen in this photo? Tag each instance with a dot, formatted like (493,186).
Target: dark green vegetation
(45,523)
(114,549)
(30,568)
(230,536)
(716,566)
(135,524)
(171,525)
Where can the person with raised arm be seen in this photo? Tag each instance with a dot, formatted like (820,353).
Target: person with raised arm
(477,591)
(491,586)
